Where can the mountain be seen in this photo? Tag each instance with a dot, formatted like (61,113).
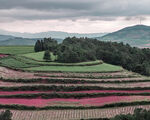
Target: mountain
(138,35)
(11,40)
(5,37)
(16,40)
(53,34)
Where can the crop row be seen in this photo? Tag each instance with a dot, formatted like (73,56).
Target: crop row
(86,85)
(65,88)
(71,95)
(71,80)
(112,105)
(73,114)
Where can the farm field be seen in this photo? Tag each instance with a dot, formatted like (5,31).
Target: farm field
(91,89)
(16,49)
(100,101)
(38,56)
(71,114)
(96,68)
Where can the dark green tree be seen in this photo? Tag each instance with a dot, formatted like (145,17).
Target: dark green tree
(47,55)
(6,115)
(38,46)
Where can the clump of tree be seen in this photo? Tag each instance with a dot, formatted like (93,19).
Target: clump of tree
(47,55)
(6,115)
(73,50)
(46,44)
(139,114)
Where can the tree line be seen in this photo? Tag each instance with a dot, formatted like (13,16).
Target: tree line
(73,50)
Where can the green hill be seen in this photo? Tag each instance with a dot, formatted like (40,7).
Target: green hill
(138,36)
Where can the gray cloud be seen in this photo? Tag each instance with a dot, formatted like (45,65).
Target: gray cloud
(72,9)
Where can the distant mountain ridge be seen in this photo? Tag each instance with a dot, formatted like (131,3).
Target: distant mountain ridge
(16,38)
(53,34)
(138,35)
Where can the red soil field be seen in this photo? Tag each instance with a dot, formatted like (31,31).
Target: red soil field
(9,73)
(110,91)
(22,92)
(78,102)
(90,91)
(3,55)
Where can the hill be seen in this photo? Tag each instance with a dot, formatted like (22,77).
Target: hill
(138,35)
(12,40)
(18,41)
(6,37)
(53,34)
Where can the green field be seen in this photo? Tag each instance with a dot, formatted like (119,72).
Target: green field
(38,56)
(13,63)
(95,68)
(24,57)
(16,49)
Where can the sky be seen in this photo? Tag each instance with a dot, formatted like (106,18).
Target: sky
(73,16)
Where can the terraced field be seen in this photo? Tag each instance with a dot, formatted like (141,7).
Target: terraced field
(69,91)
(73,114)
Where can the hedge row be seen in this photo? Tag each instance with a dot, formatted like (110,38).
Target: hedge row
(69,81)
(65,88)
(71,95)
(122,104)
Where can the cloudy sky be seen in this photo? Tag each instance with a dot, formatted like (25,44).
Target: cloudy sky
(79,16)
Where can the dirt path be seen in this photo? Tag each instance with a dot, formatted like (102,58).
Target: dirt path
(9,73)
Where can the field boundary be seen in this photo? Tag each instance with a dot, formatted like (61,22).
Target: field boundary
(113,105)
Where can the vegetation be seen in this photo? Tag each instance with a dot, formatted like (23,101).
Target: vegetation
(74,50)
(6,115)
(16,49)
(112,105)
(13,63)
(95,68)
(65,88)
(38,56)
(46,44)
(47,56)
(72,95)
(139,114)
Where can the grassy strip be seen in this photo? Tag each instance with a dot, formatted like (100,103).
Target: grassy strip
(121,104)
(38,56)
(80,69)
(71,95)
(68,81)
(10,61)
(90,63)
(24,69)
(16,49)
(65,88)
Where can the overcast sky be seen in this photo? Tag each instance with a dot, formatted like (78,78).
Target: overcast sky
(79,16)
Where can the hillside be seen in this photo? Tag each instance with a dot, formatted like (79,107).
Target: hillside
(138,36)
(18,41)
(53,34)
(5,37)
(12,40)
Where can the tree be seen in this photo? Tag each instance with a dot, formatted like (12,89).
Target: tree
(38,46)
(47,55)
(6,115)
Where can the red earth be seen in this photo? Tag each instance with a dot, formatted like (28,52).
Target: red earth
(90,91)
(3,55)
(78,102)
